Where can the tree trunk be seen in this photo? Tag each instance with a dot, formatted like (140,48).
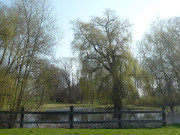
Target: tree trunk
(69,90)
(12,117)
(172,108)
(117,97)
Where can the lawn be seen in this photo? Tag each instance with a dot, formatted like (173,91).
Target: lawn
(168,130)
(59,106)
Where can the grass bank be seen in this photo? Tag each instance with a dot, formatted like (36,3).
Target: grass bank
(60,106)
(168,130)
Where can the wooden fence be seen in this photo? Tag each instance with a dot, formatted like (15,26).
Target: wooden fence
(119,120)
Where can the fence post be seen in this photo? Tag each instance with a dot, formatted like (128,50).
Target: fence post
(22,117)
(71,117)
(119,117)
(163,116)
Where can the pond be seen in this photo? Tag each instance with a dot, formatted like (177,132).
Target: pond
(93,117)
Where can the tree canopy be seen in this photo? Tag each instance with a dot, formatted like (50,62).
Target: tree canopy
(159,51)
(103,48)
(27,32)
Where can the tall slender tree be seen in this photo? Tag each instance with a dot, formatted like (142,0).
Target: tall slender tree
(27,31)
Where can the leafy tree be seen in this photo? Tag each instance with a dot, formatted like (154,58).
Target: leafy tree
(159,51)
(27,31)
(45,79)
(103,48)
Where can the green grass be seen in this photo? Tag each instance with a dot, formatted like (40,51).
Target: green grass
(133,107)
(59,106)
(169,130)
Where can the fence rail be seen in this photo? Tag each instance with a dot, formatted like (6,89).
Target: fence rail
(68,112)
(72,112)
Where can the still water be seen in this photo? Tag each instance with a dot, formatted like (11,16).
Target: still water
(93,117)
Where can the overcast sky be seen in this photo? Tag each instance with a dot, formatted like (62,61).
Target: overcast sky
(140,13)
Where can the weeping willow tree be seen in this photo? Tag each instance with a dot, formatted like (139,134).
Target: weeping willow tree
(107,65)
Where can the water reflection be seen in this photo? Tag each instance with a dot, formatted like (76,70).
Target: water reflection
(90,117)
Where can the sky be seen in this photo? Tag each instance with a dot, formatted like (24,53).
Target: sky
(140,13)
